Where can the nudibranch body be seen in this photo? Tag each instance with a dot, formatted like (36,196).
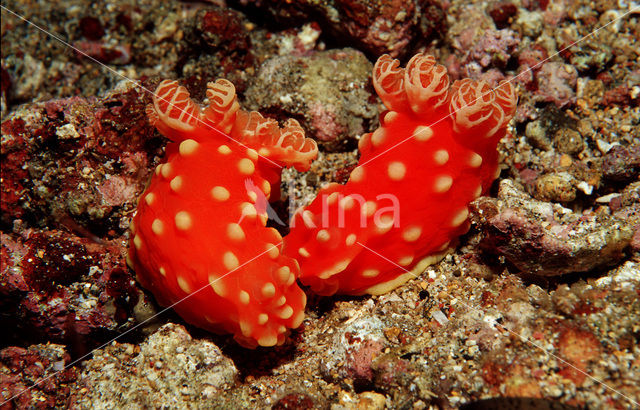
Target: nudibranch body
(199,242)
(406,201)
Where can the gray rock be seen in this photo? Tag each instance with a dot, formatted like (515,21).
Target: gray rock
(328,92)
(546,239)
(169,369)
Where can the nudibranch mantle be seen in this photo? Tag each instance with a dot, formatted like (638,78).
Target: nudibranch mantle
(199,239)
(406,201)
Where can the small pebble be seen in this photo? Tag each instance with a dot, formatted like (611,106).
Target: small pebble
(439,317)
(537,136)
(565,160)
(555,187)
(568,141)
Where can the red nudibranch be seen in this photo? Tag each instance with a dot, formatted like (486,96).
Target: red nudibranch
(200,241)
(198,237)
(406,201)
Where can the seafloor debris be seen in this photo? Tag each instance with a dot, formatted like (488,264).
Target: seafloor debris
(76,151)
(21,368)
(170,367)
(374,27)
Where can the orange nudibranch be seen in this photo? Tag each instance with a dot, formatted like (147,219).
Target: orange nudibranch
(199,242)
(407,201)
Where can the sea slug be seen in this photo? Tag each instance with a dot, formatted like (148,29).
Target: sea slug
(406,202)
(199,239)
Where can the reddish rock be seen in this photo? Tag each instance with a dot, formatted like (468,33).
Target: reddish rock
(532,57)
(358,361)
(479,47)
(118,54)
(635,241)
(503,13)
(619,95)
(14,176)
(91,28)
(577,347)
(72,165)
(495,48)
(392,27)
(6,86)
(220,42)
(219,27)
(557,83)
(535,4)
(58,287)
(77,163)
(35,377)
(294,401)
(354,348)
(6,81)
(380,27)
(622,163)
